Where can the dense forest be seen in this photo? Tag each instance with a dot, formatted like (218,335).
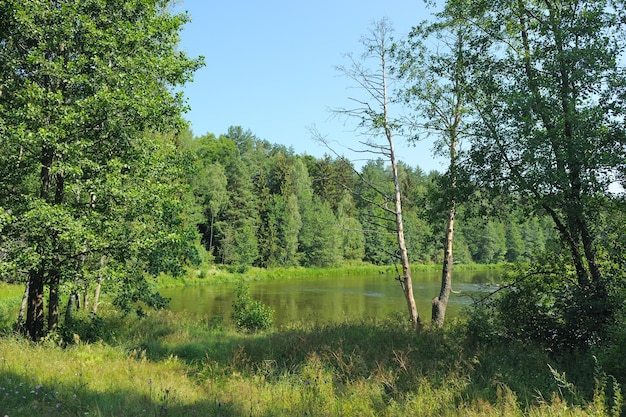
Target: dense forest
(262,205)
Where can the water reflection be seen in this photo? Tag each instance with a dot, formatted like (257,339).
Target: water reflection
(332,299)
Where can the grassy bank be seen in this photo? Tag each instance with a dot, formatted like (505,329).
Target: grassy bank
(216,275)
(172,365)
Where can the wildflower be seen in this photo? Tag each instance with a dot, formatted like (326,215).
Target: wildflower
(37,386)
(58,405)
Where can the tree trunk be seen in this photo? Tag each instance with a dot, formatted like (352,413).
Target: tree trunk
(211,232)
(69,309)
(96,295)
(439,304)
(54,273)
(35,311)
(19,328)
(406,281)
(86,299)
(53,302)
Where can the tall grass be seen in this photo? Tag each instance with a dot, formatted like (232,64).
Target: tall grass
(168,364)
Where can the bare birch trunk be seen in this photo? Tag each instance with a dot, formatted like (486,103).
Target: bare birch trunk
(96,295)
(406,280)
(376,120)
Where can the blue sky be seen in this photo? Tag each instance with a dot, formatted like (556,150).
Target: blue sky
(270,68)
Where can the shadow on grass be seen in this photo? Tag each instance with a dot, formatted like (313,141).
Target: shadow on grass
(22,395)
(385,352)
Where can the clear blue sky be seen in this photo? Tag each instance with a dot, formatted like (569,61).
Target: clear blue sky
(270,68)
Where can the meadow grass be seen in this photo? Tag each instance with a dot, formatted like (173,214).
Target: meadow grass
(170,364)
(10,300)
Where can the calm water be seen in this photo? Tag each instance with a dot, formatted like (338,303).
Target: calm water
(332,299)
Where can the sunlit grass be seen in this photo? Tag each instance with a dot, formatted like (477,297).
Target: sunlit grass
(10,300)
(174,365)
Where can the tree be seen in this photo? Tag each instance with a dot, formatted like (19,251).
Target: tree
(514,242)
(376,122)
(82,80)
(319,235)
(239,222)
(437,93)
(216,198)
(353,240)
(548,88)
(371,194)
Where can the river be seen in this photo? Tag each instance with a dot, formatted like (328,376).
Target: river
(333,298)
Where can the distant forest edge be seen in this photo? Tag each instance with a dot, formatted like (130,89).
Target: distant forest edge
(260,204)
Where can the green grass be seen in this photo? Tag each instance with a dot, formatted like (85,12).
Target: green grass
(217,275)
(173,365)
(10,300)
(169,364)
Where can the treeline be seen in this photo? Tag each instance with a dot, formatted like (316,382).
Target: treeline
(260,204)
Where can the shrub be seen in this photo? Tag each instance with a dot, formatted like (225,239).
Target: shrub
(249,314)
(86,328)
(543,303)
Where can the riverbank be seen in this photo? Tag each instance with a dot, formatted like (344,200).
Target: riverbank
(168,364)
(217,275)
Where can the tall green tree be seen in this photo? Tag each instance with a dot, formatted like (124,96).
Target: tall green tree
(371,192)
(81,81)
(548,85)
(437,92)
(352,237)
(239,221)
(320,235)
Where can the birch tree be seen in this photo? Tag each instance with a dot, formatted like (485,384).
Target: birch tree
(436,91)
(548,88)
(371,75)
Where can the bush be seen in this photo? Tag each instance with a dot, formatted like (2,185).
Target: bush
(544,304)
(87,328)
(249,314)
